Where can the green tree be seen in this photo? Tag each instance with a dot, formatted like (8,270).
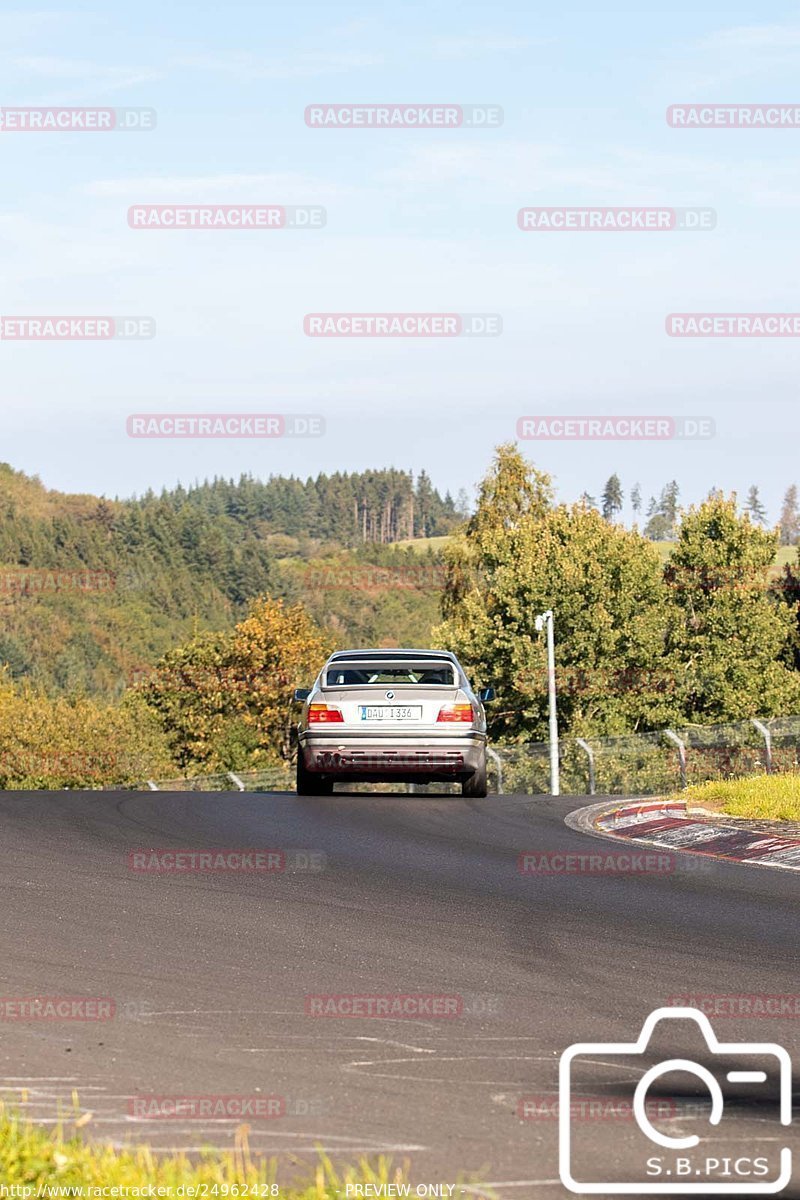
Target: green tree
(662,515)
(512,490)
(462,506)
(669,503)
(790,517)
(754,508)
(729,639)
(786,591)
(612,497)
(605,586)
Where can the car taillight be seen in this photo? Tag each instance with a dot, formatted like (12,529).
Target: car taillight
(456,712)
(324,714)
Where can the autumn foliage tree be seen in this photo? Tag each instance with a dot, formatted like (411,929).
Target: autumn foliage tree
(60,742)
(276,649)
(225,700)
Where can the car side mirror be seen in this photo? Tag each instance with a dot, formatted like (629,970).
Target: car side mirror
(302,693)
(486,694)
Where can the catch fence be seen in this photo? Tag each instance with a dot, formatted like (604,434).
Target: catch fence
(633,764)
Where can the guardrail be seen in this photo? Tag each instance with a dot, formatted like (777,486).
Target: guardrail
(657,762)
(633,764)
(272,779)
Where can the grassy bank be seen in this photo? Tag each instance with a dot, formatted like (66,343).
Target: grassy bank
(773,797)
(49,1163)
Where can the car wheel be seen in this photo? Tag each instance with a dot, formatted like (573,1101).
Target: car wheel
(475,785)
(309,784)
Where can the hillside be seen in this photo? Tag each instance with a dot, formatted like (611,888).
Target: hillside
(93,591)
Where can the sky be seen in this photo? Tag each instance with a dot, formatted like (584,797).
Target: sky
(418,220)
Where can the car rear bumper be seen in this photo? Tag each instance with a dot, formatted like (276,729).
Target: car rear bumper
(390,757)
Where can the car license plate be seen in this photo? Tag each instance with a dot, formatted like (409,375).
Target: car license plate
(390,712)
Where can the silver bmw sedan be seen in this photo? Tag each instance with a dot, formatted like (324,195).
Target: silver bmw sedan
(386,715)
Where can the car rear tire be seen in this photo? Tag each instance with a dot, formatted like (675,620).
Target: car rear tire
(474,786)
(309,784)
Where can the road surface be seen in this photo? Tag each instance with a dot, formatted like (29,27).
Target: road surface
(209,973)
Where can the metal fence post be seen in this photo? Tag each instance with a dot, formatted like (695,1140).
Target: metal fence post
(767,736)
(235,779)
(673,737)
(495,757)
(545,621)
(590,755)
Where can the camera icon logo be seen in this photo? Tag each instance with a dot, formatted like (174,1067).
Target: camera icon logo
(664,1159)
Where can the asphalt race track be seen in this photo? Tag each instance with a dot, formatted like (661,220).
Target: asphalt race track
(411,895)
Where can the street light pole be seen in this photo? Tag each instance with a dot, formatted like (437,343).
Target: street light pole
(545,621)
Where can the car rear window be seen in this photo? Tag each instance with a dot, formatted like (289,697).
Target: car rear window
(394,674)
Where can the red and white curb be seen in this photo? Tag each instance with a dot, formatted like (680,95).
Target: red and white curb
(671,825)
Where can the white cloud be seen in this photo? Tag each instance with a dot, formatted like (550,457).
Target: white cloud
(303,65)
(18,23)
(284,187)
(480,44)
(754,37)
(505,173)
(508,171)
(96,78)
(50,255)
(296,64)
(741,52)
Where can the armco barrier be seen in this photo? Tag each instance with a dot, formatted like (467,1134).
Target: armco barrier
(655,763)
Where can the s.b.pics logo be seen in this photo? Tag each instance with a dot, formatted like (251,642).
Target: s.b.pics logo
(719,1135)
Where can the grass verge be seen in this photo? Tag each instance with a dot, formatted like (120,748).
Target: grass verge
(769,797)
(51,1163)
